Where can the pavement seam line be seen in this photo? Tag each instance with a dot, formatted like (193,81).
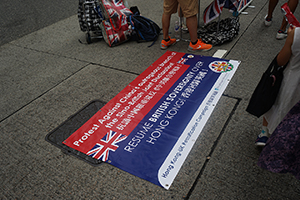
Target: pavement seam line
(238,39)
(92,63)
(42,94)
(214,145)
(87,63)
(120,70)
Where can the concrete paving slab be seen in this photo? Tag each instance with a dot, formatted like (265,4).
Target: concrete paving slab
(214,188)
(241,175)
(19,18)
(26,74)
(242,132)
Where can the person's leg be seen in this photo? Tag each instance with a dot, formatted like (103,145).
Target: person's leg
(195,44)
(170,7)
(190,10)
(166,25)
(262,138)
(282,34)
(167,40)
(192,23)
(265,123)
(265,131)
(272,6)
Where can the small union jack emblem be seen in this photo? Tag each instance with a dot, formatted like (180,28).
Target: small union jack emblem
(106,144)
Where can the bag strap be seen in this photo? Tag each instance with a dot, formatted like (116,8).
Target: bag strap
(131,22)
(275,67)
(140,34)
(120,24)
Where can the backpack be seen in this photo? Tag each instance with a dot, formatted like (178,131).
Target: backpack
(144,29)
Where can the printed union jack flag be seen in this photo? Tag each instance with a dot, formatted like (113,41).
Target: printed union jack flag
(115,28)
(115,8)
(117,32)
(106,144)
(215,8)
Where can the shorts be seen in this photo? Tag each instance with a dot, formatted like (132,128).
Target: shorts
(189,7)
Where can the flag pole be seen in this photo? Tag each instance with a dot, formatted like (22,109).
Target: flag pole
(218,27)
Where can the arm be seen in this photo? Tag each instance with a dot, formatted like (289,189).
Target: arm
(286,51)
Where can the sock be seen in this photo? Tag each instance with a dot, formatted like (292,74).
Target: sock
(268,19)
(264,132)
(193,43)
(167,40)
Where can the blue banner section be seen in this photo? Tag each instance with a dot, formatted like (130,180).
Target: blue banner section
(149,144)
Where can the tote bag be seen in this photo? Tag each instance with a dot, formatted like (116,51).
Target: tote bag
(266,91)
(115,28)
(115,31)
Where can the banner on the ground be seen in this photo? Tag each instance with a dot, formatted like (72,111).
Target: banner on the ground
(149,128)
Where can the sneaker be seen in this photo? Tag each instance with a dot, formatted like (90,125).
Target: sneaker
(199,46)
(184,28)
(261,141)
(281,35)
(267,21)
(165,45)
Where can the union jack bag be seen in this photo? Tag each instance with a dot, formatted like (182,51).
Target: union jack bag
(115,28)
(114,8)
(115,34)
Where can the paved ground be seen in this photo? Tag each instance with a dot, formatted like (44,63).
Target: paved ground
(48,75)
(19,18)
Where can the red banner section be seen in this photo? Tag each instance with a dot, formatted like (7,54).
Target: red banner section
(128,108)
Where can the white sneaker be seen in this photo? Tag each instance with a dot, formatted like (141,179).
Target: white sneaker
(281,35)
(268,22)
(184,28)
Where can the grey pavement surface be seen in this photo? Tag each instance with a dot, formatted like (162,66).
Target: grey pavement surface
(47,76)
(19,18)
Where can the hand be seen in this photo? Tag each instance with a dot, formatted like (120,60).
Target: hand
(291,30)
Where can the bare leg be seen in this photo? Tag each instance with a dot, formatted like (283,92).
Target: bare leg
(191,23)
(272,5)
(166,25)
(265,123)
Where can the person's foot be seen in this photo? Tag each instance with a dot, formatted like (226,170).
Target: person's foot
(281,35)
(267,21)
(261,141)
(199,46)
(165,44)
(184,28)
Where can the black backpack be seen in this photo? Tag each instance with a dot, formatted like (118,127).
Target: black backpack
(144,29)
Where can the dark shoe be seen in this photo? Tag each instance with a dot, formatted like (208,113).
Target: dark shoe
(261,141)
